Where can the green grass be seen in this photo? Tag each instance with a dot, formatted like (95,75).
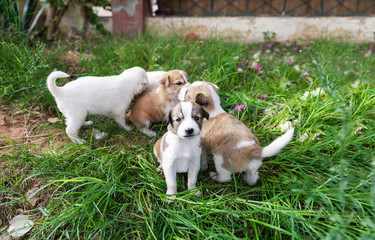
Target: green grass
(314,189)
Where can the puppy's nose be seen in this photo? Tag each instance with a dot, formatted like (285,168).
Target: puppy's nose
(189,131)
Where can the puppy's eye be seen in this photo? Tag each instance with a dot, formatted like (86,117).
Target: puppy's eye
(196,118)
(178,120)
(179,83)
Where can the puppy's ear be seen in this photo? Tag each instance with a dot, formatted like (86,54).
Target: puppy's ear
(205,114)
(201,99)
(165,80)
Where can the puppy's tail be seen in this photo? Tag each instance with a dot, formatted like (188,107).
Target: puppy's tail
(278,144)
(51,81)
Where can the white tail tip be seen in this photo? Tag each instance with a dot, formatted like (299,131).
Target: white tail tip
(278,144)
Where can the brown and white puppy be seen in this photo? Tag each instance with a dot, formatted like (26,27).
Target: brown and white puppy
(156,102)
(179,150)
(232,144)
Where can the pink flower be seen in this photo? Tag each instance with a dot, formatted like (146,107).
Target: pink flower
(262,96)
(305,74)
(261,73)
(277,78)
(358,130)
(258,67)
(239,108)
(316,136)
(290,62)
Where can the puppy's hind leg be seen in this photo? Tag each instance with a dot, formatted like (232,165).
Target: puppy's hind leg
(252,175)
(73,124)
(222,175)
(120,119)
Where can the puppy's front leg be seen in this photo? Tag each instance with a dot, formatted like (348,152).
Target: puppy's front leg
(193,171)
(170,179)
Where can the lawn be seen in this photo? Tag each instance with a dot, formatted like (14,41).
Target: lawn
(320,186)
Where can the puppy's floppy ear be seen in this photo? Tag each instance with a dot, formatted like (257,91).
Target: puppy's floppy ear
(165,80)
(201,99)
(205,114)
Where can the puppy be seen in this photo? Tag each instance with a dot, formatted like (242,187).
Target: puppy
(232,144)
(156,102)
(109,96)
(179,150)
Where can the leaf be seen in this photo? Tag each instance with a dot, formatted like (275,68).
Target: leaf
(20,225)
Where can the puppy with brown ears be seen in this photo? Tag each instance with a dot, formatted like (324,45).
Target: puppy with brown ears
(179,150)
(109,96)
(232,144)
(156,101)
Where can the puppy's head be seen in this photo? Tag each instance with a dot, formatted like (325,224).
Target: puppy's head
(173,81)
(203,93)
(185,119)
(142,82)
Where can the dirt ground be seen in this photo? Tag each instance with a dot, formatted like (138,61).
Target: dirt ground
(30,128)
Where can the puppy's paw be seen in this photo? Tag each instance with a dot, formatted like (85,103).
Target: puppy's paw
(159,169)
(171,199)
(213,175)
(79,141)
(151,134)
(87,123)
(127,128)
(198,194)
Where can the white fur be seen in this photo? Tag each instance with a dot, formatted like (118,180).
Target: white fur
(244,144)
(109,96)
(154,77)
(218,109)
(188,122)
(252,175)
(222,175)
(182,154)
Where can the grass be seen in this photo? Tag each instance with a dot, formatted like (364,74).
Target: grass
(319,188)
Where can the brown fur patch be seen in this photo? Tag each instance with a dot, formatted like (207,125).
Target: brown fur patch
(201,95)
(222,133)
(152,104)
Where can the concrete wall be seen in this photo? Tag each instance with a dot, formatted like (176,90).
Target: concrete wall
(250,29)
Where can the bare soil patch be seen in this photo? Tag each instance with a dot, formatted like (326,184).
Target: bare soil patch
(28,127)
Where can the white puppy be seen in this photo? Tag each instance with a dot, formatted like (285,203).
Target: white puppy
(109,96)
(234,147)
(154,78)
(179,150)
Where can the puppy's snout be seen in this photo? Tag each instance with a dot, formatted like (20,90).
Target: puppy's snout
(189,131)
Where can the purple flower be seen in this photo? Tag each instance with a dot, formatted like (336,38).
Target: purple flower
(258,67)
(147,67)
(268,44)
(239,108)
(262,96)
(261,73)
(305,74)
(241,65)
